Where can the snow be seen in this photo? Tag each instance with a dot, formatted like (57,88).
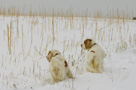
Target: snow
(25,42)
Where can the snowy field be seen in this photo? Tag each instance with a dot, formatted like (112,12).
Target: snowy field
(25,42)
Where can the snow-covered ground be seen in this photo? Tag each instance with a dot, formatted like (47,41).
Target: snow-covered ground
(25,41)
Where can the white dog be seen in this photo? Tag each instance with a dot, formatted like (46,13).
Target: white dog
(95,56)
(58,66)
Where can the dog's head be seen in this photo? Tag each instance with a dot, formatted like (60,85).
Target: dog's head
(88,43)
(52,53)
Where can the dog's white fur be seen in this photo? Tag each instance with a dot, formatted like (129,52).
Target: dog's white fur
(95,56)
(59,69)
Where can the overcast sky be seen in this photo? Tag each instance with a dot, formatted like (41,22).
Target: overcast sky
(105,6)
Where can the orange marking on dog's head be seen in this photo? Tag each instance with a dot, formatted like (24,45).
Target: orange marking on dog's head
(88,43)
(49,56)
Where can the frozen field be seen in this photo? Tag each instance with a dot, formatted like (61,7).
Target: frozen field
(25,41)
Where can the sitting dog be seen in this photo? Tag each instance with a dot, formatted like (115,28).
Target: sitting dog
(59,68)
(95,56)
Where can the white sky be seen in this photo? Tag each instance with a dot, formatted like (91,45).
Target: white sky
(77,5)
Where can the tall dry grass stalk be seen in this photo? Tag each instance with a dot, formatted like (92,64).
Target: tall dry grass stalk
(53,32)
(42,37)
(9,36)
(96,29)
(17,28)
(22,40)
(83,31)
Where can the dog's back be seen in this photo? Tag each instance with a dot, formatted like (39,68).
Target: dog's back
(98,51)
(95,56)
(57,68)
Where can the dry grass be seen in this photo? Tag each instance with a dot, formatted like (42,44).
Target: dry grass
(112,14)
(30,38)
